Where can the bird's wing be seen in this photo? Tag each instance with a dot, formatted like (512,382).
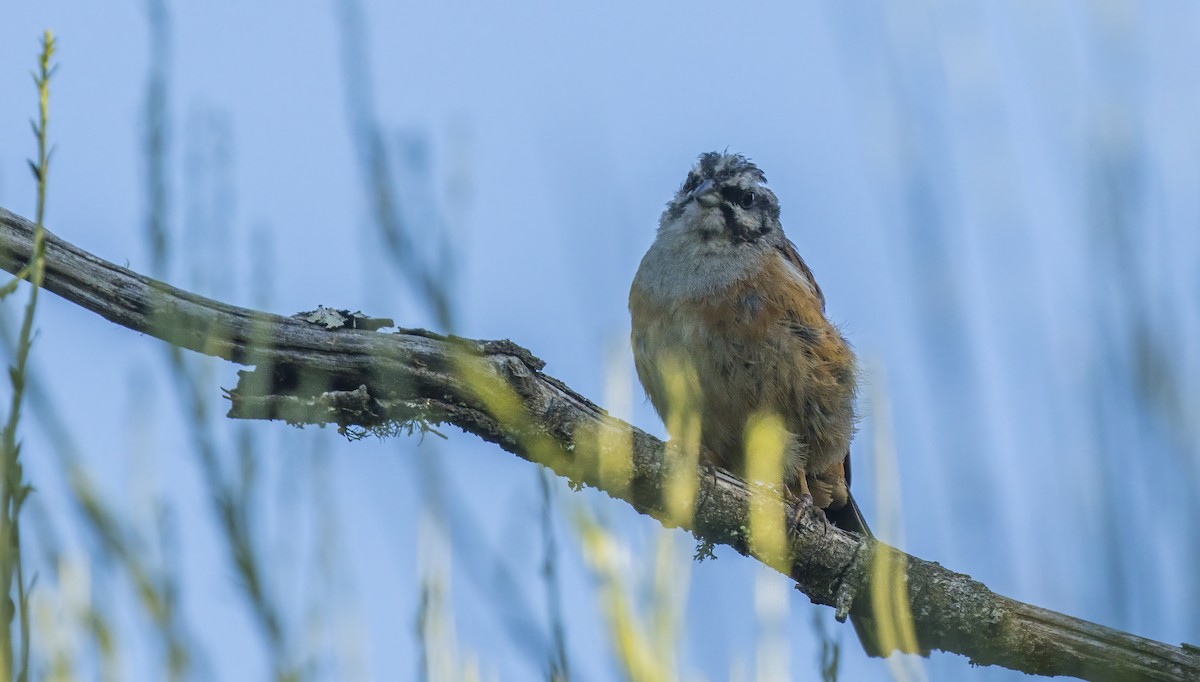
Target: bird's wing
(788,250)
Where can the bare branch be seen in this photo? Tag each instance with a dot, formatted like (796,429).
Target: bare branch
(308,374)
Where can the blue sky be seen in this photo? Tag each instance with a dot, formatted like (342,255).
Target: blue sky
(997,198)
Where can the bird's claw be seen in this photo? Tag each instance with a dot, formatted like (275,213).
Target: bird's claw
(805,507)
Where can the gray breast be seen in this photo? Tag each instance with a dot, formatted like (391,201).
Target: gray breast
(683,267)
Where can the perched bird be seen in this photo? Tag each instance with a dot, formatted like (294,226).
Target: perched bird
(723,293)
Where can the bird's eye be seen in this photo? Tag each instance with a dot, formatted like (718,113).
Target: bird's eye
(746,200)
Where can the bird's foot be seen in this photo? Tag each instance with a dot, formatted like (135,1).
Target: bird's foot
(806,512)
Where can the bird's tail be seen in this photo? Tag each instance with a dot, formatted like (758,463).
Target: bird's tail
(850,518)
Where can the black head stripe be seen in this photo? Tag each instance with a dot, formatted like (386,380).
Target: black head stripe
(764,226)
(720,167)
(731,223)
(732,194)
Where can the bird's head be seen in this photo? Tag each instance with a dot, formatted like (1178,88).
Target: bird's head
(724,198)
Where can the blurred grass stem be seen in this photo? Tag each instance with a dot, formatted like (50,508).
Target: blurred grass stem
(13,488)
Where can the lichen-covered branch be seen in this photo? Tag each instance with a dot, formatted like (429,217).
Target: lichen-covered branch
(369,380)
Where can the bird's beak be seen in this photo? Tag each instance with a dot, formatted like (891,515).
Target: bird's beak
(706,194)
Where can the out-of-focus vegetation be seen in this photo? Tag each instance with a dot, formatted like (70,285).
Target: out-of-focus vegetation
(14,488)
